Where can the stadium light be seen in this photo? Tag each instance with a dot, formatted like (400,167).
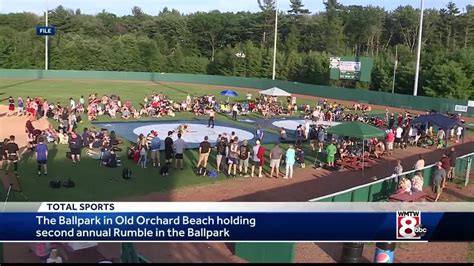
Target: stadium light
(418,52)
(275,41)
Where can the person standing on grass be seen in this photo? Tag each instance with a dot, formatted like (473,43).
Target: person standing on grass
(321,138)
(391,121)
(290,159)
(13,155)
(390,139)
(41,152)
(155,146)
(259,133)
(222,150)
(398,136)
(244,155)
(3,152)
(179,147)
(275,158)
(233,156)
(75,145)
(331,151)
(169,147)
(438,176)
(235,109)
(204,151)
(258,158)
(212,117)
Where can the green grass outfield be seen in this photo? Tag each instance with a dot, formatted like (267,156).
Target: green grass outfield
(93,182)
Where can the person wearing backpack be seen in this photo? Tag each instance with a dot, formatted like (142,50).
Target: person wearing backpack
(244,155)
(155,145)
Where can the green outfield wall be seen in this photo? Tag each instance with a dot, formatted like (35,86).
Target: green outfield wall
(421,103)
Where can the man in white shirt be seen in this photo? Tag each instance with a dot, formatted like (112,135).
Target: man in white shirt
(235,109)
(458,134)
(398,136)
(179,147)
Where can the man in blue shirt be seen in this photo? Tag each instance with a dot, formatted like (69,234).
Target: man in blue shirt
(155,145)
(42,156)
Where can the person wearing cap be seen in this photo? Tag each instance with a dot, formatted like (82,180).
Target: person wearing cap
(258,158)
(155,145)
(169,147)
(204,151)
(244,155)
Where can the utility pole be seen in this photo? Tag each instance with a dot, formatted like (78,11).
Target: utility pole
(395,65)
(275,41)
(418,52)
(46,39)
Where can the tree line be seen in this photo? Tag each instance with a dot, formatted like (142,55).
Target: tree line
(241,44)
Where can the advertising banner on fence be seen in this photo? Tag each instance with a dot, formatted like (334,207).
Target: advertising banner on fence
(234,222)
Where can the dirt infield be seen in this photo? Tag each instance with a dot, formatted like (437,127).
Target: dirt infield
(15,125)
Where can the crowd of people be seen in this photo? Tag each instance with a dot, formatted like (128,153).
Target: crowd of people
(443,172)
(233,156)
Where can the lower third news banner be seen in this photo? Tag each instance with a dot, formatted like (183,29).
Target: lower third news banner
(234,222)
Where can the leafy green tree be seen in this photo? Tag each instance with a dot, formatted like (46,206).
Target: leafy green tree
(448,81)
(334,28)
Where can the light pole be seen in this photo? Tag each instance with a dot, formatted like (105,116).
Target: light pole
(46,39)
(275,41)
(418,52)
(395,65)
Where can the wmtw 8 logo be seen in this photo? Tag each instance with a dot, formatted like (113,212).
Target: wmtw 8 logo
(409,225)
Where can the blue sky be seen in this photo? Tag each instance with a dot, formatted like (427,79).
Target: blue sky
(123,7)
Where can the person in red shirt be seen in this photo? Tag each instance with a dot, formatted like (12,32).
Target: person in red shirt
(390,139)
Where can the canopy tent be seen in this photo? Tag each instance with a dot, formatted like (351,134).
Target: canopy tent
(439,120)
(275,92)
(357,130)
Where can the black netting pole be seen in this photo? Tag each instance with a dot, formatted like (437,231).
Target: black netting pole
(352,252)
